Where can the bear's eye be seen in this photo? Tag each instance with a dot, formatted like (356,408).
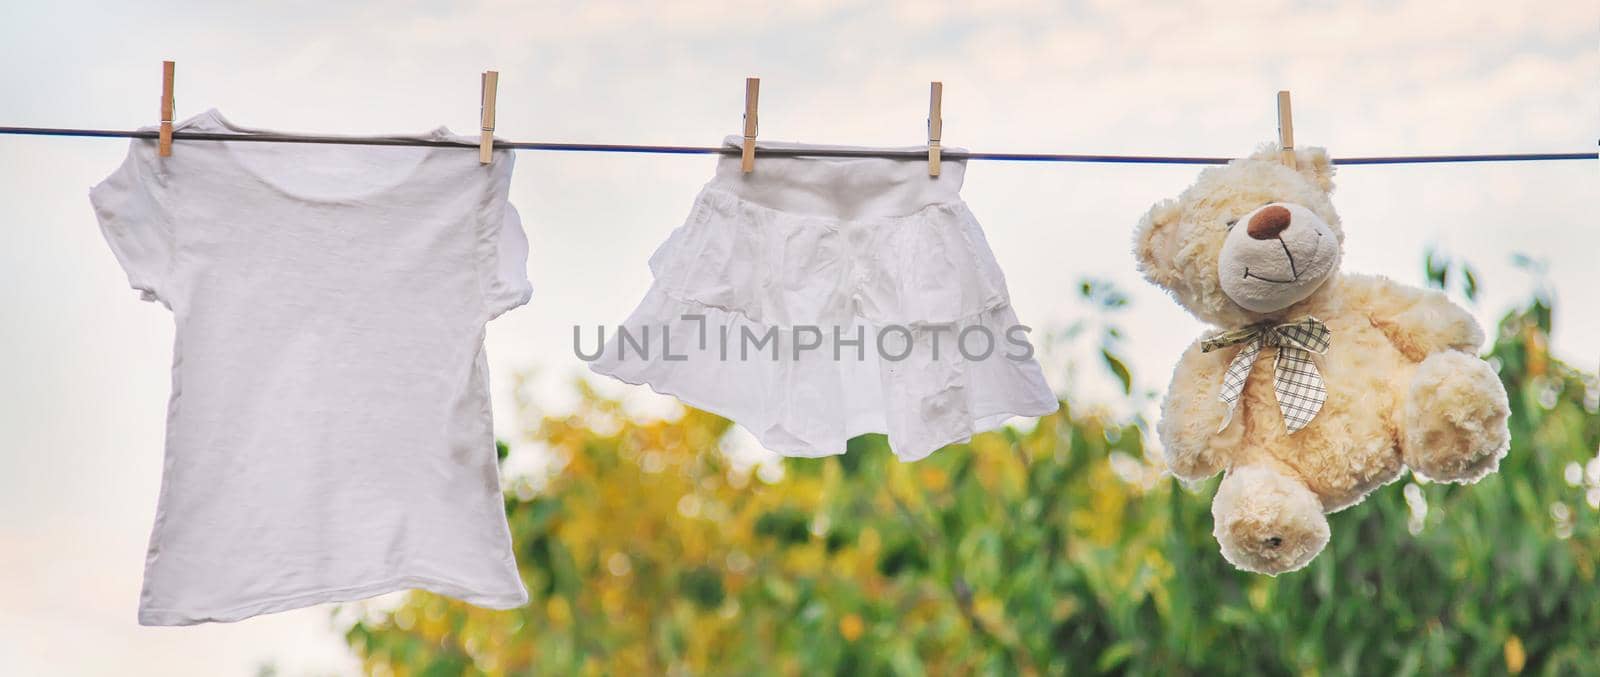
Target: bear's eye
(1231,223)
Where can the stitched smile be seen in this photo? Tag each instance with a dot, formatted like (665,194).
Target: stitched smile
(1293,269)
(1247,273)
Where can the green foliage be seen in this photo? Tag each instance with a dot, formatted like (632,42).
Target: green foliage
(1062,548)
(1440,268)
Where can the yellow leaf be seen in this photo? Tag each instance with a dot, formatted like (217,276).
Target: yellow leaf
(988,608)
(558,611)
(1260,595)
(851,627)
(1515,657)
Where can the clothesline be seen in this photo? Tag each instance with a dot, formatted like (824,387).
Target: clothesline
(775,152)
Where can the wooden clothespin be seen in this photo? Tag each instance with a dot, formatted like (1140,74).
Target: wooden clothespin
(752,92)
(490,83)
(164,148)
(935,125)
(1286,130)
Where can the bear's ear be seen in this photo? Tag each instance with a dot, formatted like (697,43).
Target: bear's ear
(1311,162)
(1154,240)
(1314,164)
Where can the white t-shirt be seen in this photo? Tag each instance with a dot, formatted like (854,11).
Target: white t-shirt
(328,433)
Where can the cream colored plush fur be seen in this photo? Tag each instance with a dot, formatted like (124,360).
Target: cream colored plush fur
(1405,387)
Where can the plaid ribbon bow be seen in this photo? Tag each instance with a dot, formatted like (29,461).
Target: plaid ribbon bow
(1296,380)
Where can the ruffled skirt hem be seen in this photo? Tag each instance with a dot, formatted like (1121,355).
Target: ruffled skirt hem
(804,391)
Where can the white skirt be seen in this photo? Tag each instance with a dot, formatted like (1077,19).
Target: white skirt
(817,299)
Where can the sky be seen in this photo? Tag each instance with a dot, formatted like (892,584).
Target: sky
(85,365)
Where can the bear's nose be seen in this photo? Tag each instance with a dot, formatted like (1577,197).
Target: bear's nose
(1267,223)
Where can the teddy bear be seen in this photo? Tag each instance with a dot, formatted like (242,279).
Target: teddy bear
(1315,386)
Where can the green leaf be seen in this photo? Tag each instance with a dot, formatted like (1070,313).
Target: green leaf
(1115,655)
(787,525)
(1437,268)
(1119,370)
(703,586)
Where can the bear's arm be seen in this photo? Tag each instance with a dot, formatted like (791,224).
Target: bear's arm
(1191,414)
(1419,322)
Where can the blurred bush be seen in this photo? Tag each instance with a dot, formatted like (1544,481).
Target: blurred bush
(1059,549)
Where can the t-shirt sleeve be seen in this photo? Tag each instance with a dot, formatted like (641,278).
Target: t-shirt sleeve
(510,287)
(504,244)
(135,224)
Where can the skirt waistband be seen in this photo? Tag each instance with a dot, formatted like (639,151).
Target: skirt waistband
(845,188)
